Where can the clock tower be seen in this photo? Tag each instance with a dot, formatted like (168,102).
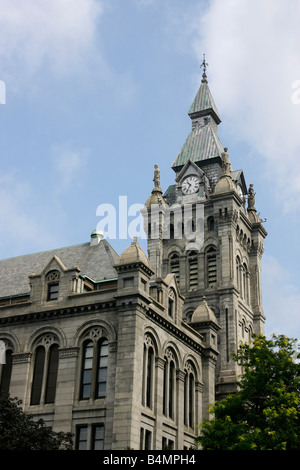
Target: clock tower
(205,230)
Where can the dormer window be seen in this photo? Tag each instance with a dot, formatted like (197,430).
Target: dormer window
(52,285)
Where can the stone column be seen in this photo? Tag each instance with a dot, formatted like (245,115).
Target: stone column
(180,408)
(208,377)
(65,389)
(160,364)
(20,376)
(129,379)
(198,405)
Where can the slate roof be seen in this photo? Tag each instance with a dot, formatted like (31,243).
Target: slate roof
(170,194)
(96,262)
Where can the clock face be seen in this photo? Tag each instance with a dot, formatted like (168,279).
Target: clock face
(190,185)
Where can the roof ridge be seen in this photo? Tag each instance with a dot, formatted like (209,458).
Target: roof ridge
(45,251)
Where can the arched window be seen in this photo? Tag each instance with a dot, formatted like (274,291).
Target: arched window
(38,375)
(211,263)
(102,368)
(45,371)
(94,369)
(87,368)
(5,371)
(193,269)
(150,363)
(189,395)
(174,265)
(148,372)
(169,390)
(52,374)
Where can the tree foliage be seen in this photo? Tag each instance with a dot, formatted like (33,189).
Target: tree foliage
(19,431)
(264,413)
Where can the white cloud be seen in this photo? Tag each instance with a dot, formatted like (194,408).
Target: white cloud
(42,41)
(58,33)
(253,51)
(252,48)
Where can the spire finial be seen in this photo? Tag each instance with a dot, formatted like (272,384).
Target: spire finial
(204,65)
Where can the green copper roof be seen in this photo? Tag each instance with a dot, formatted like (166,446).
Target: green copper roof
(203,103)
(201,143)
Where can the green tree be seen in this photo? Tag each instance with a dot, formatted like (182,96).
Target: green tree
(264,412)
(19,431)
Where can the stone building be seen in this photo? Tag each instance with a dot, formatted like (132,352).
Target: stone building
(129,351)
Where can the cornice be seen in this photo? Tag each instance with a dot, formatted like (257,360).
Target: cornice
(54,313)
(175,331)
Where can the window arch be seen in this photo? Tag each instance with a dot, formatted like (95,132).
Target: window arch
(45,371)
(189,395)
(52,374)
(94,368)
(148,372)
(169,385)
(242,279)
(38,375)
(5,366)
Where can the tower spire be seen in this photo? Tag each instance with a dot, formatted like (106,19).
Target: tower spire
(203,104)
(203,141)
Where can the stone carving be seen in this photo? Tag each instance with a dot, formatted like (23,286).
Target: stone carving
(156,178)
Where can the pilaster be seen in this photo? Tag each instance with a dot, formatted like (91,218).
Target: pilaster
(66,383)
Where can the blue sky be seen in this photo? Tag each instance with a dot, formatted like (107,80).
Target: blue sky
(97,92)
